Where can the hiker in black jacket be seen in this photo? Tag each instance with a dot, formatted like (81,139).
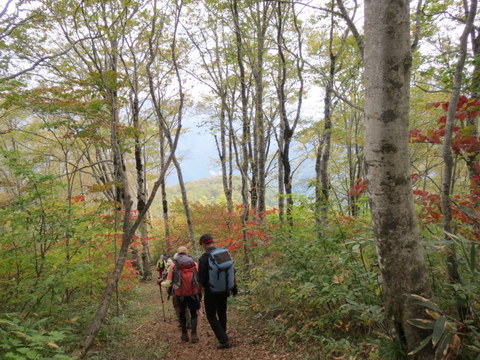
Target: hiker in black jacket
(215,302)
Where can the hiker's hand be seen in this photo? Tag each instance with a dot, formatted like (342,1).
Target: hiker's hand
(159,281)
(234,290)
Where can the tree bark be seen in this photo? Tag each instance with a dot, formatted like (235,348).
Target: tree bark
(387,84)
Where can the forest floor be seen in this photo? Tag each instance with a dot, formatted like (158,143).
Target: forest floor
(147,335)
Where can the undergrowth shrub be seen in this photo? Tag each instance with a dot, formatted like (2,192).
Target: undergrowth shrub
(319,286)
(29,339)
(326,286)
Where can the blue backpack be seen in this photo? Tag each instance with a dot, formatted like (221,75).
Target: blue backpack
(221,275)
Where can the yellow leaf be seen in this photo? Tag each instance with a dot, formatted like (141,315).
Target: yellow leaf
(433,314)
(338,279)
(21,334)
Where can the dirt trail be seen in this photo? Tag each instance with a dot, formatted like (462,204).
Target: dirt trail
(151,337)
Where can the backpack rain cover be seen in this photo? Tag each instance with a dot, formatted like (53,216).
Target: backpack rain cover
(185,276)
(221,274)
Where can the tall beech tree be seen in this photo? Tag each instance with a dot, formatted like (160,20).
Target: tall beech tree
(387,83)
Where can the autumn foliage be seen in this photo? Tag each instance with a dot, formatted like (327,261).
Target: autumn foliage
(464,140)
(466,146)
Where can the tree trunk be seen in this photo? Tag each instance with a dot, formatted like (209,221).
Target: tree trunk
(242,163)
(126,204)
(355,164)
(286,132)
(186,206)
(287,128)
(163,190)
(452,265)
(473,159)
(323,154)
(281,178)
(387,84)
(141,188)
(262,17)
(224,154)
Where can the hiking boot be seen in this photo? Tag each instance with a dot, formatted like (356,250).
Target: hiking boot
(224,345)
(194,337)
(184,337)
(184,332)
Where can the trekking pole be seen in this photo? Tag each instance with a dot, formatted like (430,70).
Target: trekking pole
(163,306)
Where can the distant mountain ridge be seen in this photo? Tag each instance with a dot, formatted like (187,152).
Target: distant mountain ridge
(210,190)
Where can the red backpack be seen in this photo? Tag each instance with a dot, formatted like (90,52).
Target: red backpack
(185,276)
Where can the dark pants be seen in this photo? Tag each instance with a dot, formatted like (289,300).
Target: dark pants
(216,311)
(184,303)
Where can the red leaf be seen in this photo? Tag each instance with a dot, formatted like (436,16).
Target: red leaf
(78,198)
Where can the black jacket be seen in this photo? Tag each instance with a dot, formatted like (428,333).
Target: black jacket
(203,268)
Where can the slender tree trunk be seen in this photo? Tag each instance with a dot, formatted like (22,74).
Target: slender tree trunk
(319,206)
(186,206)
(323,153)
(452,265)
(355,166)
(287,128)
(166,223)
(473,159)
(164,126)
(225,155)
(243,163)
(125,200)
(144,265)
(231,149)
(286,132)
(218,73)
(281,178)
(263,16)
(387,84)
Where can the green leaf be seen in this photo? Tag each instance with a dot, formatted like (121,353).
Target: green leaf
(6,322)
(473,257)
(439,330)
(426,303)
(442,346)
(421,345)
(470,212)
(422,323)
